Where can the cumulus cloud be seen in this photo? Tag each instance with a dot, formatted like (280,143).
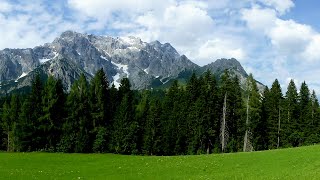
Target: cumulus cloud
(288,38)
(5,7)
(30,24)
(218,48)
(281,6)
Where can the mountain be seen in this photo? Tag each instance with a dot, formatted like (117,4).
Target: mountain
(145,64)
(233,66)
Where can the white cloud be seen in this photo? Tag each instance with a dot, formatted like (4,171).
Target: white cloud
(289,37)
(5,7)
(312,51)
(259,19)
(104,12)
(26,25)
(218,48)
(281,6)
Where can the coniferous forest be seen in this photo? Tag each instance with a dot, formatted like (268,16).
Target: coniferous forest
(206,115)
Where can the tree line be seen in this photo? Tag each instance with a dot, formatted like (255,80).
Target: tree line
(206,115)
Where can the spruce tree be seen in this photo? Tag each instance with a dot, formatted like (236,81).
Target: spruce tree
(274,109)
(7,125)
(305,113)
(168,122)
(152,142)
(253,114)
(99,97)
(28,127)
(313,123)
(230,92)
(53,100)
(290,122)
(77,128)
(124,137)
(211,117)
(262,125)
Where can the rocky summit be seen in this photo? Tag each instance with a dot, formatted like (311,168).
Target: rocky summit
(71,54)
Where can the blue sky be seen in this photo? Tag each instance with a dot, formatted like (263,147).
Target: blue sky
(271,38)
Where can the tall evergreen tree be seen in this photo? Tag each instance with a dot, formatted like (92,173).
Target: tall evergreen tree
(99,97)
(28,131)
(7,125)
(262,126)
(313,135)
(78,125)
(152,142)
(230,91)
(290,135)
(142,110)
(53,100)
(124,138)
(305,113)
(169,121)
(253,114)
(211,118)
(273,106)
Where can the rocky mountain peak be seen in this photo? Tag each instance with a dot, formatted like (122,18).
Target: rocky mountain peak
(73,53)
(222,64)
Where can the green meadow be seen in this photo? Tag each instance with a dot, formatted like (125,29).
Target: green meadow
(294,163)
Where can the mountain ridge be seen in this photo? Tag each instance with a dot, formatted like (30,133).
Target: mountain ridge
(73,53)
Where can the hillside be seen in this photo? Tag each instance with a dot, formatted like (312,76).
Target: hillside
(296,163)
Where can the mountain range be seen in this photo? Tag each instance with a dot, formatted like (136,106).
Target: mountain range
(147,65)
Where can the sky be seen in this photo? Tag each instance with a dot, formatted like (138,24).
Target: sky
(271,38)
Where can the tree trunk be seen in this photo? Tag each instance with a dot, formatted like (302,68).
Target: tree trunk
(224,132)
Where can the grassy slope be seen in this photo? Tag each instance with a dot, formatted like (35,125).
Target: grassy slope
(298,163)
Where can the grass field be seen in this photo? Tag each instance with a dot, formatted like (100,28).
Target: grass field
(297,163)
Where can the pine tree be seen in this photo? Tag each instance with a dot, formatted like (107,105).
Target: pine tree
(28,133)
(261,129)
(313,124)
(124,137)
(25,128)
(210,113)
(169,123)
(142,110)
(290,121)
(305,113)
(78,125)
(273,106)
(7,124)
(152,142)
(99,97)
(35,100)
(53,100)
(231,102)
(253,114)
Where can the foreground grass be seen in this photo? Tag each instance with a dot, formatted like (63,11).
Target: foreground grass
(297,163)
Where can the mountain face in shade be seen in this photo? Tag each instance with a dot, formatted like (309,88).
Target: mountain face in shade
(145,64)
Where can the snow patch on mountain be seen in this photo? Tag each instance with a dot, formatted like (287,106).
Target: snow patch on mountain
(21,76)
(122,67)
(44,60)
(146,70)
(115,80)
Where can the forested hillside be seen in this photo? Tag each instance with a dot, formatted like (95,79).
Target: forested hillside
(207,115)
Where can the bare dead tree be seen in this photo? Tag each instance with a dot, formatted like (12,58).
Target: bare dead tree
(224,135)
(247,145)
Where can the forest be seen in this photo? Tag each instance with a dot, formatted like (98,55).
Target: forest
(205,115)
